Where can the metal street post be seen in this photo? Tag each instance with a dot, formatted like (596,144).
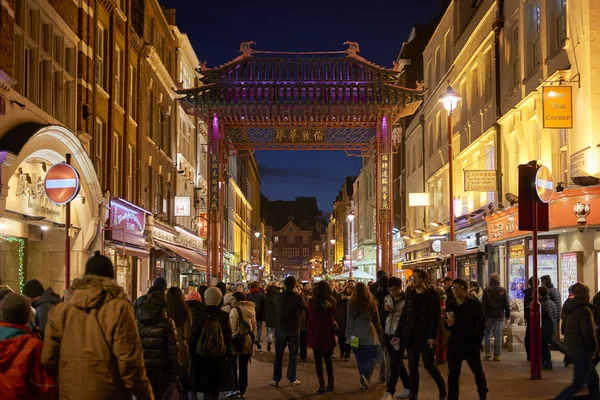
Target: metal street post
(67,236)
(350,218)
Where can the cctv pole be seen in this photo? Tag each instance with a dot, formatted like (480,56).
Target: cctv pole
(67,237)
(535,339)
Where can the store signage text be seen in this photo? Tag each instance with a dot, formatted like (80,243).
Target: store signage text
(126,223)
(213,193)
(182,206)
(578,163)
(385,161)
(500,229)
(480,180)
(29,197)
(557,106)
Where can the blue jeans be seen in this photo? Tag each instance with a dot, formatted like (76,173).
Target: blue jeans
(283,339)
(258,333)
(366,358)
(381,358)
(496,324)
(583,372)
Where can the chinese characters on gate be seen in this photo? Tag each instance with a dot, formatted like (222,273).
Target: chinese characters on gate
(384,162)
(213,192)
(299,135)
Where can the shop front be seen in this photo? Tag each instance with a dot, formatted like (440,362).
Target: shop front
(475,264)
(567,252)
(32,228)
(425,255)
(364,259)
(178,256)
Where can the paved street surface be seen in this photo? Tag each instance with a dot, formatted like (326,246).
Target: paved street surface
(507,379)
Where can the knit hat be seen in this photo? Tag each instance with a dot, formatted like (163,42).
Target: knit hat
(193,296)
(100,265)
(160,283)
(212,296)
(15,309)
(33,288)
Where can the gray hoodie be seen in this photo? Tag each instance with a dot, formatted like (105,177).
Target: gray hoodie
(43,305)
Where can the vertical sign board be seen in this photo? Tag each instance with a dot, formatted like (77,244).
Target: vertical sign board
(480,180)
(385,168)
(126,223)
(213,191)
(557,106)
(182,206)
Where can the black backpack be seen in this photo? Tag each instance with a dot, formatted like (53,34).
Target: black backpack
(211,342)
(243,340)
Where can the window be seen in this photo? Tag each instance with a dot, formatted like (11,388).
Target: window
(515,66)
(488,76)
(99,148)
(560,23)
(474,109)
(131,93)
(291,252)
(275,252)
(447,50)
(115,163)
(317,248)
(158,194)
(306,252)
(438,66)
(276,239)
(291,239)
(129,172)
(149,112)
(305,239)
(100,32)
(159,139)
(534,50)
(564,159)
(538,142)
(118,94)
(490,164)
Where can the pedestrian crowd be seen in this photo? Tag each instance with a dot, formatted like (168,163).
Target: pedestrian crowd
(94,344)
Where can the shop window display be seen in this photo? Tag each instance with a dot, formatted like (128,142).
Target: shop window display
(516,270)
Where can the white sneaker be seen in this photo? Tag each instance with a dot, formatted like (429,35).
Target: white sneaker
(404,394)
(295,383)
(387,396)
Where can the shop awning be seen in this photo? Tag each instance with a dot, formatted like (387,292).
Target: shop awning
(190,255)
(423,262)
(130,250)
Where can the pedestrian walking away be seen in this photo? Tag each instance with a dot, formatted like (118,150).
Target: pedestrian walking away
(419,325)
(550,319)
(394,305)
(270,312)
(303,346)
(555,297)
(258,298)
(92,343)
(159,285)
(321,334)
(527,300)
(340,318)
(177,310)
(496,310)
(42,301)
(381,293)
(363,330)
(466,322)
(581,343)
(288,305)
(242,319)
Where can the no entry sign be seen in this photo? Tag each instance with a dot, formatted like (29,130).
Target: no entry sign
(61,183)
(544,184)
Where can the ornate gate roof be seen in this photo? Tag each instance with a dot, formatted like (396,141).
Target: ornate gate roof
(306,100)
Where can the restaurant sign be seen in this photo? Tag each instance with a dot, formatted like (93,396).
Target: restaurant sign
(126,223)
(385,161)
(557,106)
(213,191)
(480,180)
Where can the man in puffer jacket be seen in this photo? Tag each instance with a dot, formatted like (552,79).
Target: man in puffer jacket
(159,341)
(496,309)
(579,328)
(550,317)
(241,358)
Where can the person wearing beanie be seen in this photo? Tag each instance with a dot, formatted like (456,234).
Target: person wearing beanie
(97,326)
(211,374)
(159,285)
(42,301)
(22,377)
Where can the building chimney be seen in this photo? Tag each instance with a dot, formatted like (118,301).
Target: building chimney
(170,16)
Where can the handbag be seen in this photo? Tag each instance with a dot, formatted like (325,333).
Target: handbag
(354,341)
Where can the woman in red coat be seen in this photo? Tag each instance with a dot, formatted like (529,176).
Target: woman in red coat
(321,332)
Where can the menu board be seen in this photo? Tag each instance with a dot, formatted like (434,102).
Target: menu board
(516,271)
(568,268)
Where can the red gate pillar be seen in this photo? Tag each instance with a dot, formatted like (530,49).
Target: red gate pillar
(214,200)
(385,192)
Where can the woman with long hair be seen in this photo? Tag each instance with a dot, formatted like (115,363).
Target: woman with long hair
(363,329)
(341,309)
(177,310)
(321,335)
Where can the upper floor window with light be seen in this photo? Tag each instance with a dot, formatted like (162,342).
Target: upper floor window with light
(291,239)
(534,49)
(560,23)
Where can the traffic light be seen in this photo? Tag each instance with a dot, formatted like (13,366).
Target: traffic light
(529,198)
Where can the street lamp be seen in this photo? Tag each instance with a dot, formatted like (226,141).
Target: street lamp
(350,218)
(257,234)
(269,251)
(450,100)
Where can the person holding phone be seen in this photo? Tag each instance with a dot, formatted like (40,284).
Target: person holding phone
(466,322)
(418,326)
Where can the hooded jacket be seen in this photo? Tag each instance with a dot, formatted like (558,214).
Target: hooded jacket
(159,341)
(22,376)
(393,318)
(258,298)
(550,314)
(420,323)
(579,329)
(341,309)
(93,346)
(554,295)
(43,305)
(270,312)
(495,301)
(289,305)
(321,334)
(228,302)
(248,312)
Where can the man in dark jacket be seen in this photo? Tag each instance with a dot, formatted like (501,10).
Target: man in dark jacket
(159,285)
(554,296)
(42,301)
(418,328)
(258,298)
(288,306)
(381,293)
(373,288)
(550,317)
(496,309)
(579,328)
(527,299)
(466,322)
(270,312)
(448,289)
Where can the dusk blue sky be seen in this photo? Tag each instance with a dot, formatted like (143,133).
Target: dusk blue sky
(216,29)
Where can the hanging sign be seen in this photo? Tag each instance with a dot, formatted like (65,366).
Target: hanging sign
(385,161)
(61,183)
(418,199)
(557,107)
(213,191)
(182,206)
(480,180)
(578,163)
(453,247)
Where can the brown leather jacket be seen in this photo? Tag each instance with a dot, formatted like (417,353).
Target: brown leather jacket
(93,346)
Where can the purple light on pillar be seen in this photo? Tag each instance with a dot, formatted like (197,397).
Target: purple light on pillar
(215,129)
(384,129)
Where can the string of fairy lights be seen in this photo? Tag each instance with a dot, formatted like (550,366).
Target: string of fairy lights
(21,254)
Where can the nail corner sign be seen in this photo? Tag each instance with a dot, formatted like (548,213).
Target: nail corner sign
(557,106)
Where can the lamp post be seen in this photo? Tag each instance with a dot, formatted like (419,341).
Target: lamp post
(332,256)
(450,100)
(350,218)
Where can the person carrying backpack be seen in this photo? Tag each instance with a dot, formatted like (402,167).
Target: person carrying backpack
(210,349)
(243,325)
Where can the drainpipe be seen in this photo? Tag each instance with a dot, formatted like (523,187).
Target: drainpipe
(126,101)
(498,26)
(422,122)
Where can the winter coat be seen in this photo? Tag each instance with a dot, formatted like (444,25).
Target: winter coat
(579,328)
(211,374)
(195,308)
(380,295)
(550,314)
(341,310)
(321,334)
(554,295)
(184,333)
(495,301)
(420,324)
(43,305)
(138,302)
(248,312)
(469,325)
(476,293)
(289,305)
(22,376)
(228,302)
(527,300)
(449,295)
(270,311)
(92,344)
(304,312)
(258,298)
(393,318)
(364,325)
